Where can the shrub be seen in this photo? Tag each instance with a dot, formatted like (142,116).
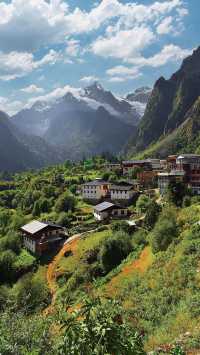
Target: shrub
(152,215)
(99,328)
(65,203)
(165,232)
(7,259)
(31,294)
(139,238)
(120,226)
(186,201)
(143,203)
(114,250)
(11,241)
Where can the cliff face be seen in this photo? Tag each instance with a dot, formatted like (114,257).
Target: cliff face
(170,103)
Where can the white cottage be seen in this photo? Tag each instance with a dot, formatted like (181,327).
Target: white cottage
(106,210)
(122,192)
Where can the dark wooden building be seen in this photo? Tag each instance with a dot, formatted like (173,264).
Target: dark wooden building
(42,237)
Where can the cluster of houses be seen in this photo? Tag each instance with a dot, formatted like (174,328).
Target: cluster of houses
(112,200)
(159,173)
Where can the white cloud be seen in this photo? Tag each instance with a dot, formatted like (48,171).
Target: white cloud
(10,106)
(165,26)
(28,25)
(122,73)
(169,53)
(32,89)
(118,79)
(17,64)
(73,47)
(182,12)
(124,44)
(55,94)
(89,79)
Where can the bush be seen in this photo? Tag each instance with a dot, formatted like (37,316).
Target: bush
(65,203)
(24,335)
(165,232)
(143,203)
(31,294)
(7,259)
(152,215)
(11,241)
(114,250)
(140,238)
(186,201)
(4,292)
(64,219)
(120,226)
(99,328)
(176,192)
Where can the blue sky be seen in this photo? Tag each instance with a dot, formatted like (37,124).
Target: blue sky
(50,47)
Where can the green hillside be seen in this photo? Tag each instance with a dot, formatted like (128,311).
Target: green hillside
(110,290)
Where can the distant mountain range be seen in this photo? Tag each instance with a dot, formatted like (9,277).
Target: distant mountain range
(82,123)
(171,122)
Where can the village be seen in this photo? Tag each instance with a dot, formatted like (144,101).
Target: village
(114,200)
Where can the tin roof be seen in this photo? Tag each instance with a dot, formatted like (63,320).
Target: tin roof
(37,226)
(104,206)
(96,182)
(122,186)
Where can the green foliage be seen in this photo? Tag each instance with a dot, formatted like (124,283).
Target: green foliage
(186,201)
(99,328)
(4,294)
(7,259)
(165,231)
(143,203)
(36,209)
(152,215)
(12,241)
(120,226)
(114,250)
(24,336)
(65,203)
(64,219)
(31,294)
(176,192)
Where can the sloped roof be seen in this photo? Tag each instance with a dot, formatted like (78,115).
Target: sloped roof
(190,156)
(34,227)
(136,161)
(37,226)
(96,182)
(122,186)
(104,206)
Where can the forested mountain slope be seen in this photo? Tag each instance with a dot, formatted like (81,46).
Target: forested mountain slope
(169,107)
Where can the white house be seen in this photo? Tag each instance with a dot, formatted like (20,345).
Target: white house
(95,190)
(106,210)
(122,192)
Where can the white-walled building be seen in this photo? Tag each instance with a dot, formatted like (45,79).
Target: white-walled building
(95,190)
(107,210)
(122,192)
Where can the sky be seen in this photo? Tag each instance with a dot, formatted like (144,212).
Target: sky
(50,47)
